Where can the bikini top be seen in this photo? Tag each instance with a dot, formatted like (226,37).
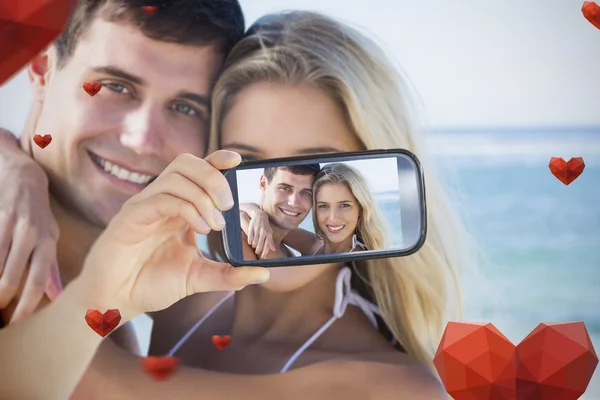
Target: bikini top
(344,295)
(355,243)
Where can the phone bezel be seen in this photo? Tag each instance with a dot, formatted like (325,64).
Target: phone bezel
(230,234)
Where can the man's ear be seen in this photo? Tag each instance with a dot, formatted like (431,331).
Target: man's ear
(263,182)
(39,70)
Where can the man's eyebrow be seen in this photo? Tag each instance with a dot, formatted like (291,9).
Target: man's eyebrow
(119,73)
(196,98)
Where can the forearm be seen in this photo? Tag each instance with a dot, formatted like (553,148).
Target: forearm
(250,208)
(45,355)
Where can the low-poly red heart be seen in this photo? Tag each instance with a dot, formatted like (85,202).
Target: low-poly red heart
(566,172)
(103,324)
(160,368)
(591,12)
(221,342)
(42,141)
(554,362)
(92,88)
(27,28)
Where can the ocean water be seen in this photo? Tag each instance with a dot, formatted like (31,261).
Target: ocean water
(541,238)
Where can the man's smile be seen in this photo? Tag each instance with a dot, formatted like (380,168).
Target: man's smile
(121,172)
(289,213)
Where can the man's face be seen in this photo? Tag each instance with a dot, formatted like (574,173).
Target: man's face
(287,199)
(152,107)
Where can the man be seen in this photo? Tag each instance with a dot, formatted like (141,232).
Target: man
(107,147)
(286,197)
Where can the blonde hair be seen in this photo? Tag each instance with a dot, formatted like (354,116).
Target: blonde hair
(370,228)
(419,293)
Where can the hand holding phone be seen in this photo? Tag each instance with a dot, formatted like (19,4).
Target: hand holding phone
(325,208)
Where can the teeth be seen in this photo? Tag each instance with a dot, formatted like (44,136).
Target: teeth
(336,228)
(290,213)
(122,173)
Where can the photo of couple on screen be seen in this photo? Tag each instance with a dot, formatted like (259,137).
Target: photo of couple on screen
(315,209)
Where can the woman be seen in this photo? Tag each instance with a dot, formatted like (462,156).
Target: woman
(298,83)
(302,83)
(345,217)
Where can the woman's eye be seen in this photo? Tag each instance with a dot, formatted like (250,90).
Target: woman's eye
(116,87)
(184,109)
(344,205)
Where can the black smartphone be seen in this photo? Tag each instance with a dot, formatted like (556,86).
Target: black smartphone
(325,208)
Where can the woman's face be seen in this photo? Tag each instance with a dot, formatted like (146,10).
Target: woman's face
(268,120)
(337,212)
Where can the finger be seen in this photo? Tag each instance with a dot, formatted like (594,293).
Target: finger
(251,235)
(37,279)
(256,238)
(19,254)
(207,275)
(272,243)
(179,186)
(206,175)
(260,243)
(54,286)
(266,249)
(7,226)
(153,210)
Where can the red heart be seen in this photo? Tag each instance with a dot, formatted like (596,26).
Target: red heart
(566,172)
(27,28)
(149,9)
(221,342)
(103,324)
(42,141)
(92,88)
(591,12)
(160,368)
(476,362)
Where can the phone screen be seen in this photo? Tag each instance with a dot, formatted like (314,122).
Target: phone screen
(326,208)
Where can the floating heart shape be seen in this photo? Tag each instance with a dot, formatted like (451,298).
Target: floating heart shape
(103,324)
(92,88)
(42,141)
(566,172)
(221,342)
(554,362)
(160,368)
(149,10)
(27,28)
(591,12)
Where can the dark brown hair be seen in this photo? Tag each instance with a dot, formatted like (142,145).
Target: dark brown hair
(308,169)
(188,22)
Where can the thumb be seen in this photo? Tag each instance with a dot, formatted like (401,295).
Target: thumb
(223,159)
(213,276)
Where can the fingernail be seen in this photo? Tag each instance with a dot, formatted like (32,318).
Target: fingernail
(225,199)
(218,218)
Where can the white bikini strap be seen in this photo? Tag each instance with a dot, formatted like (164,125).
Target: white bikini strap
(344,295)
(197,325)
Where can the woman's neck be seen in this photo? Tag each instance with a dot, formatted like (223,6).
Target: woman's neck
(76,238)
(271,317)
(342,247)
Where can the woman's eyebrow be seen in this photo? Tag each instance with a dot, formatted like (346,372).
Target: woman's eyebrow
(241,146)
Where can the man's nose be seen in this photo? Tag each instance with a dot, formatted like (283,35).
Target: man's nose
(293,200)
(143,130)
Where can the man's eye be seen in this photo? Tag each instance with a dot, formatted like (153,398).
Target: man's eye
(116,87)
(184,109)
(306,193)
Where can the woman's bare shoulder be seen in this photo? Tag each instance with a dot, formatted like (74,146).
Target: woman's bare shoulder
(368,379)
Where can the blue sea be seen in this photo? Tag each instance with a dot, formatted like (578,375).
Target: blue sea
(541,238)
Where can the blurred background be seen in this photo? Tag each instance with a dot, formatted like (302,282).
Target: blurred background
(505,86)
